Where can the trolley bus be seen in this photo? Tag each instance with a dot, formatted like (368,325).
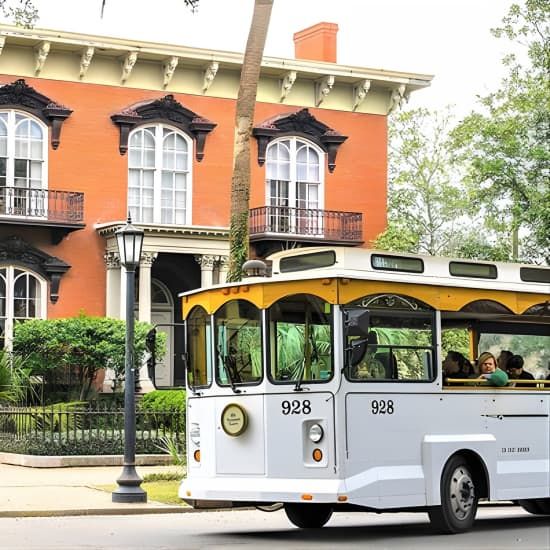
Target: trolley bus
(279,414)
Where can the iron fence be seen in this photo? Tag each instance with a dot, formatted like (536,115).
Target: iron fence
(49,205)
(306,222)
(57,424)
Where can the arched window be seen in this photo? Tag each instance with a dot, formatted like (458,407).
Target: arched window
(22,297)
(294,186)
(159,175)
(23,154)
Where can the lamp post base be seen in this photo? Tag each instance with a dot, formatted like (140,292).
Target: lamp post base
(129,489)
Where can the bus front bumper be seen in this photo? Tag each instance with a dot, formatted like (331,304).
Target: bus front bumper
(229,492)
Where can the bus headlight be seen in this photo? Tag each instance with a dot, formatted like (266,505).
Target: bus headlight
(195,434)
(315,433)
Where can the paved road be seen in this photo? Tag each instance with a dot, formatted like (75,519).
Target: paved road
(496,528)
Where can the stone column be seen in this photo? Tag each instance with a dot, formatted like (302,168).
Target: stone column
(144,308)
(112,287)
(112,304)
(223,266)
(207,269)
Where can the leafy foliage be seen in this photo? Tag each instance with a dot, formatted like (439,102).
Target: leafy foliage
(15,382)
(22,12)
(427,205)
(506,144)
(82,344)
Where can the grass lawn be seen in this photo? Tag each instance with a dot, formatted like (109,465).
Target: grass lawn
(159,491)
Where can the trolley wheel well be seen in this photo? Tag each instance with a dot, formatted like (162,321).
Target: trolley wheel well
(478,470)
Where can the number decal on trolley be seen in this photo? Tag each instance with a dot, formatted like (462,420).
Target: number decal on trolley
(382,407)
(296,407)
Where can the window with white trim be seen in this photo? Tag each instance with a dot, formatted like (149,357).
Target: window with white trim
(22,297)
(23,170)
(159,175)
(294,186)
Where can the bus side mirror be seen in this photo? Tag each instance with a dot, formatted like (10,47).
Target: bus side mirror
(150,344)
(357,323)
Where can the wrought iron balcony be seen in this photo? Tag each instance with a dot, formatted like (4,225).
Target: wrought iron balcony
(305,225)
(62,211)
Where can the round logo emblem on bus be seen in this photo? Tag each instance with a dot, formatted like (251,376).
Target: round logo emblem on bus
(234,420)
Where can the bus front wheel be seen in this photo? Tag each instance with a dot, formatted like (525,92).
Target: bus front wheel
(308,516)
(458,498)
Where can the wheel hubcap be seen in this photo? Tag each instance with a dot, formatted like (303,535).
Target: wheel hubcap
(462,493)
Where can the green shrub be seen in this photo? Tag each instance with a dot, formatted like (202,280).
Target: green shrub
(36,445)
(161,402)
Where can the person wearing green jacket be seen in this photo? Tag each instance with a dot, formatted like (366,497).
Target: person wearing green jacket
(488,368)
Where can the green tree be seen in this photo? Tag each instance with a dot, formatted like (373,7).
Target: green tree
(244,119)
(22,12)
(83,345)
(427,206)
(506,144)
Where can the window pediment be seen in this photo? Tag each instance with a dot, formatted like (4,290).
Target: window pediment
(17,251)
(300,123)
(166,110)
(19,95)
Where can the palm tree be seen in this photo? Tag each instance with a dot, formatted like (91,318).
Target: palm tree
(244,118)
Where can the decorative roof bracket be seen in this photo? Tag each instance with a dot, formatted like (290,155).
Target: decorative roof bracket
(128,65)
(323,86)
(398,97)
(287,83)
(41,54)
(85,60)
(209,75)
(169,68)
(360,91)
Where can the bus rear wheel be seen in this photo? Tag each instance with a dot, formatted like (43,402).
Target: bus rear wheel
(539,506)
(458,498)
(308,516)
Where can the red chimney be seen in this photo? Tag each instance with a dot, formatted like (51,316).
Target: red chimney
(316,43)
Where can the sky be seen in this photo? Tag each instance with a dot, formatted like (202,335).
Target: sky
(449,39)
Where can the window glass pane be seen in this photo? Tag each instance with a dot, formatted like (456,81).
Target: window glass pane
(238,343)
(397,347)
(3,146)
(21,149)
(199,350)
(36,170)
(300,335)
(149,158)
(20,168)
(149,138)
(36,150)
(134,158)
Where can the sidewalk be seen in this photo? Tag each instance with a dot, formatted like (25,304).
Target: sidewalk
(70,492)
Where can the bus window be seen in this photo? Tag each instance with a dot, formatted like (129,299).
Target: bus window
(199,349)
(399,343)
(300,336)
(238,343)
(533,348)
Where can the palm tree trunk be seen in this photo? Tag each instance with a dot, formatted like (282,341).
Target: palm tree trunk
(246,102)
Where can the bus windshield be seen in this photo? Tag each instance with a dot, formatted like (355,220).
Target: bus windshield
(300,340)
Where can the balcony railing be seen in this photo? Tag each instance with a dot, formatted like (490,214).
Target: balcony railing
(305,224)
(63,207)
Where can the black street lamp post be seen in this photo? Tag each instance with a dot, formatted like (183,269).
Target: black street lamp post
(129,241)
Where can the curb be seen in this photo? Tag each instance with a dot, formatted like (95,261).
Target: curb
(112,511)
(35,461)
